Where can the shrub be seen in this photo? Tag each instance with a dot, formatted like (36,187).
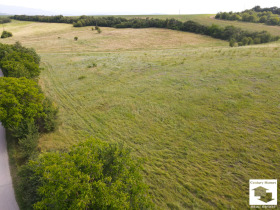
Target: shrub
(81,77)
(19,64)
(93,65)
(245,41)
(29,141)
(232,42)
(20,100)
(75,38)
(92,175)
(6,34)
(48,121)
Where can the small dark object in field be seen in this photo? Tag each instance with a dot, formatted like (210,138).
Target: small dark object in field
(81,77)
(92,65)
(75,38)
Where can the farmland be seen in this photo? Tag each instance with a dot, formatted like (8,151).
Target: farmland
(204,117)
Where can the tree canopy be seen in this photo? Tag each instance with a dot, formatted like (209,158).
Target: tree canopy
(20,99)
(92,175)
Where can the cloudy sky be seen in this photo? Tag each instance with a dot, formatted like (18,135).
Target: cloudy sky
(114,7)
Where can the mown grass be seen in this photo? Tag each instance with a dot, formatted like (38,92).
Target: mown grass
(204,117)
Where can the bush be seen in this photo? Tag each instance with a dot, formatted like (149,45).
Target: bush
(48,121)
(28,143)
(6,34)
(75,38)
(92,175)
(19,64)
(81,77)
(93,65)
(20,100)
(232,42)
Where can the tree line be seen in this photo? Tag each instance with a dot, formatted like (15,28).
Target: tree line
(4,20)
(235,35)
(91,175)
(24,110)
(269,16)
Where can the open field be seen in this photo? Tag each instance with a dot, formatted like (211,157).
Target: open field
(203,116)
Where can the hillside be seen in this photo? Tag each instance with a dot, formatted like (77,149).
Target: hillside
(203,116)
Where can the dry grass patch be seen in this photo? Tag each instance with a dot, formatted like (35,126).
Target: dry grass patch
(56,37)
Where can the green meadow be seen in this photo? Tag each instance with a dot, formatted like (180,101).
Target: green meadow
(202,116)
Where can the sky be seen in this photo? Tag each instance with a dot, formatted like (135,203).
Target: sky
(122,7)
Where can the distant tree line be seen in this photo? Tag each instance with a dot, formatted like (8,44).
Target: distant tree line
(47,19)
(229,33)
(269,16)
(4,20)
(24,110)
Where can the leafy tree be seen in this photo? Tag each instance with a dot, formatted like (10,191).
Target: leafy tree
(19,64)
(20,99)
(92,175)
(6,34)
(4,20)
(232,42)
(29,141)
(48,121)
(245,41)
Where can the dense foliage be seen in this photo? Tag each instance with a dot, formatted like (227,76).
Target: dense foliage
(48,19)
(24,110)
(93,175)
(4,20)
(6,34)
(18,61)
(229,33)
(269,16)
(20,100)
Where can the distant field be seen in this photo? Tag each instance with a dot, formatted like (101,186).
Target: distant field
(203,116)
(56,37)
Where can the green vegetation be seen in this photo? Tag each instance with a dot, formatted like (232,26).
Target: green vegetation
(18,61)
(227,33)
(6,34)
(4,20)
(269,16)
(204,116)
(24,111)
(20,100)
(92,175)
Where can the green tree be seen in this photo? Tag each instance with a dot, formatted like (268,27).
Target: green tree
(48,121)
(245,41)
(6,34)
(20,99)
(232,42)
(92,175)
(19,64)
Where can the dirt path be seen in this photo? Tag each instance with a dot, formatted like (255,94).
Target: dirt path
(7,195)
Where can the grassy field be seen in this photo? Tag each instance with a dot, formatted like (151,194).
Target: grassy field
(203,116)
